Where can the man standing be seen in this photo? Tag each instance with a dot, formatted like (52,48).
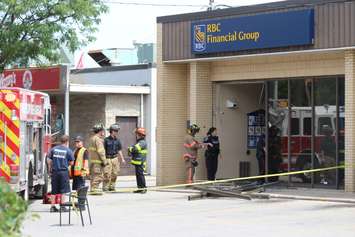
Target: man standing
(138,152)
(59,159)
(80,169)
(113,148)
(97,157)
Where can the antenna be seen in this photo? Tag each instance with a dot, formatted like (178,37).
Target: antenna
(210,5)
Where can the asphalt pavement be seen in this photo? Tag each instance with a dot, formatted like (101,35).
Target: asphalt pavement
(170,214)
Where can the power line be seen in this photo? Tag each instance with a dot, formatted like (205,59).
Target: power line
(153,4)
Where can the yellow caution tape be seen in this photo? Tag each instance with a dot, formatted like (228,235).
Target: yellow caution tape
(230,180)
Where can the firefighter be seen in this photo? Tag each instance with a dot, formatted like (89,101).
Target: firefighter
(328,154)
(80,169)
(191,146)
(59,159)
(138,152)
(260,156)
(274,152)
(212,153)
(97,157)
(113,149)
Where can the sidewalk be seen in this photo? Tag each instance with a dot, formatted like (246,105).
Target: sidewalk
(315,193)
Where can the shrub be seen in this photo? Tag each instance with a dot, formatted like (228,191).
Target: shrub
(12,211)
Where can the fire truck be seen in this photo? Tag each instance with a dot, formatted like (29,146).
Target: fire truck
(301,136)
(25,135)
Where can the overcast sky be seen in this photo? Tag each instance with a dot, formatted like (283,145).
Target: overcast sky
(125,23)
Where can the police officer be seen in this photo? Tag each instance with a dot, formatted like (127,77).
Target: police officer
(97,157)
(212,153)
(113,148)
(138,152)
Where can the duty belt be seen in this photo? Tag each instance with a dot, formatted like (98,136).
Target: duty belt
(111,156)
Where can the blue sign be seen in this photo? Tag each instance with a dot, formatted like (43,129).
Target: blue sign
(253,32)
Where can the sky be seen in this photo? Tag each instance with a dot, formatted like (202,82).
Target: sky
(124,24)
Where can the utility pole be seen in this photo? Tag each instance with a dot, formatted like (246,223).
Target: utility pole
(210,5)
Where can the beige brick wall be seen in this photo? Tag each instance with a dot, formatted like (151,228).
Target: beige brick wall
(124,105)
(284,66)
(85,111)
(350,120)
(172,116)
(200,106)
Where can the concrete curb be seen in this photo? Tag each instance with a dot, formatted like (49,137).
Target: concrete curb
(308,198)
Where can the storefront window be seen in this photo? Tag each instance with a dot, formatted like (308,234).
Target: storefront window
(301,110)
(325,109)
(277,128)
(306,129)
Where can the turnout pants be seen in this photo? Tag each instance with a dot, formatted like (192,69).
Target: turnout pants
(96,171)
(140,176)
(211,165)
(110,174)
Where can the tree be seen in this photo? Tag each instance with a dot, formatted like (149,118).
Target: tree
(34,29)
(12,211)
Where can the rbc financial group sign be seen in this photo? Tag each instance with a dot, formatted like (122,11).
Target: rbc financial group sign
(253,32)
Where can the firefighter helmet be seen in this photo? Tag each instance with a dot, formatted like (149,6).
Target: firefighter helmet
(98,127)
(194,128)
(114,127)
(140,131)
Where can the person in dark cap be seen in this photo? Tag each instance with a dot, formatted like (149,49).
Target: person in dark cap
(80,169)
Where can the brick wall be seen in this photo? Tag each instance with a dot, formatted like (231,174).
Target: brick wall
(172,116)
(200,105)
(122,105)
(85,111)
(264,67)
(350,120)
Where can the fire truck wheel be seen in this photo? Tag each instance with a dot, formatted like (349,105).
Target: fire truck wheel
(41,190)
(304,163)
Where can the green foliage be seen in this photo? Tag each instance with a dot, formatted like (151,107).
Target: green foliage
(31,29)
(12,211)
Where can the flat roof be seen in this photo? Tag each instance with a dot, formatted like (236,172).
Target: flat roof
(258,8)
(113,68)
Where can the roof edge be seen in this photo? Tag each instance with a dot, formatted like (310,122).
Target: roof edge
(234,11)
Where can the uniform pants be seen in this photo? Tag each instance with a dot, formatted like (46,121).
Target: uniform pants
(211,165)
(140,176)
(96,171)
(110,174)
(329,161)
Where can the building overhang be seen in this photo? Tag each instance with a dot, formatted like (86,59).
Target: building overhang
(108,89)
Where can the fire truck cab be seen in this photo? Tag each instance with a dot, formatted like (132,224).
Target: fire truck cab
(24,140)
(301,136)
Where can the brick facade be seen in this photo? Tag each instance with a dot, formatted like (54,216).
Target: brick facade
(350,120)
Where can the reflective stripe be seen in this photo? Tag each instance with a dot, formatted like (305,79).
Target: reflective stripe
(81,166)
(186,145)
(95,161)
(189,156)
(136,162)
(92,148)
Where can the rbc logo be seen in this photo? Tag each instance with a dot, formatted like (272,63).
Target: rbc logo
(199,38)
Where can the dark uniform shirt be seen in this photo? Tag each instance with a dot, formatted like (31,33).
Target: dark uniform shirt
(60,156)
(112,146)
(212,150)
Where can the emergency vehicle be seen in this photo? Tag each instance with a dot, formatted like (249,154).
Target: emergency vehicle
(301,136)
(24,140)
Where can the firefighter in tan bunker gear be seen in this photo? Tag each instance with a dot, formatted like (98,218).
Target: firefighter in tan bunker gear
(191,146)
(97,157)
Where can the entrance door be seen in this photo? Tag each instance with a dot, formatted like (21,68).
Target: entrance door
(128,138)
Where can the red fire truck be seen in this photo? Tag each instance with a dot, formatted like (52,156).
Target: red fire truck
(301,136)
(24,140)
